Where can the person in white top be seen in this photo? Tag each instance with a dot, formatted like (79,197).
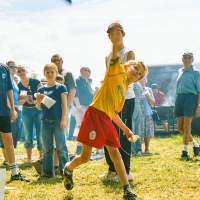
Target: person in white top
(116,34)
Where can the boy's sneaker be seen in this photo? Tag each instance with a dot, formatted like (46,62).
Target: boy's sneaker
(196,151)
(67,177)
(128,195)
(19,177)
(185,155)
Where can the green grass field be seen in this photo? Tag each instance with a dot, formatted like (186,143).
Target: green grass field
(160,176)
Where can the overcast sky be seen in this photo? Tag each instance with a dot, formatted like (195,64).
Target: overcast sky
(158,31)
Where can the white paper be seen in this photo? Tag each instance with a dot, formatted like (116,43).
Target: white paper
(48,102)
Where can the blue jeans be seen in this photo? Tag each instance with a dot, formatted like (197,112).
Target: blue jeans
(51,129)
(31,118)
(137,115)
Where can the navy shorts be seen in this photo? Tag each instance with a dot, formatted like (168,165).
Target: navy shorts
(5,124)
(185,105)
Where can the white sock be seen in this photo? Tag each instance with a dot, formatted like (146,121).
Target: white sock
(195,143)
(185,148)
(13,168)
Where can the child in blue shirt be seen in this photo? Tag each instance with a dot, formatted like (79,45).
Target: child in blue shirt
(53,121)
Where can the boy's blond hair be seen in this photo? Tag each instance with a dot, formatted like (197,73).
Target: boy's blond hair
(50,66)
(139,64)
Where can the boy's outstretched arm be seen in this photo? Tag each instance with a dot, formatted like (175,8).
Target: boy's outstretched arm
(120,123)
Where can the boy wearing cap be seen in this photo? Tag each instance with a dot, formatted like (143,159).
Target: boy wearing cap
(187,102)
(116,34)
(97,129)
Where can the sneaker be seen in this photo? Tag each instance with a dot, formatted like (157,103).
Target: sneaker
(19,177)
(196,151)
(130,176)
(67,176)
(110,175)
(38,166)
(128,195)
(185,155)
(139,153)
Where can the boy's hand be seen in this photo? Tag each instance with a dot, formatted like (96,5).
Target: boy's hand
(62,124)
(130,136)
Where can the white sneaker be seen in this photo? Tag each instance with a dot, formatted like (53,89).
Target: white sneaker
(130,176)
(139,153)
(110,175)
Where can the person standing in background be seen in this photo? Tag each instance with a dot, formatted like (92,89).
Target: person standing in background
(147,126)
(31,116)
(137,116)
(160,100)
(15,125)
(70,84)
(8,116)
(116,34)
(83,98)
(187,104)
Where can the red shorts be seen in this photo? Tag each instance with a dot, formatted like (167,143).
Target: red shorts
(97,130)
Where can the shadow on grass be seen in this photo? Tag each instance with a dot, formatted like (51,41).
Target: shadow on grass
(47,181)
(25,165)
(162,134)
(190,160)
(68,197)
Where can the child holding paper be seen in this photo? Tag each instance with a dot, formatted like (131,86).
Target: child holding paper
(53,121)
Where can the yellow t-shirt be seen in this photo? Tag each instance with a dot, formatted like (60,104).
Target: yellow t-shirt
(111,96)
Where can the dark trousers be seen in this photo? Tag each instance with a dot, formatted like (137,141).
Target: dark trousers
(125,149)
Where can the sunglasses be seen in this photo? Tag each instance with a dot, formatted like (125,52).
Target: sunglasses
(56,60)
(87,70)
(12,67)
(187,57)
(19,71)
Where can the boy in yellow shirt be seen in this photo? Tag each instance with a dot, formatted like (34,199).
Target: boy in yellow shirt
(97,129)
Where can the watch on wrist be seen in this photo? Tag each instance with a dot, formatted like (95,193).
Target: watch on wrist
(198,105)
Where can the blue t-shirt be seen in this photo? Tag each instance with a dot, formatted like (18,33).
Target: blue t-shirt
(145,104)
(33,83)
(84,91)
(15,92)
(54,92)
(5,85)
(188,81)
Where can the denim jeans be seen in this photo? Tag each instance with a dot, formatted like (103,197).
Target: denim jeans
(51,129)
(137,115)
(31,118)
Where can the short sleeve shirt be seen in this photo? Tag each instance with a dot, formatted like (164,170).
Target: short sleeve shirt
(5,86)
(110,98)
(54,92)
(84,91)
(69,79)
(188,81)
(33,83)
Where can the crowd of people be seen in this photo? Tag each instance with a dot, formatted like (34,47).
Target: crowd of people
(59,107)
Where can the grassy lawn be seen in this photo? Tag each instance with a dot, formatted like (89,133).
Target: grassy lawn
(159,176)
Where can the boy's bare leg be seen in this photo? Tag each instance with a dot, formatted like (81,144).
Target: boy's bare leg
(83,158)
(9,148)
(70,166)
(119,165)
